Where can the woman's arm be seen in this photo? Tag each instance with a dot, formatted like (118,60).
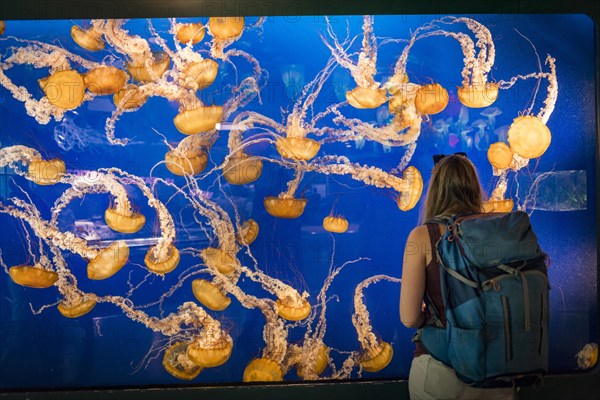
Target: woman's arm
(413,278)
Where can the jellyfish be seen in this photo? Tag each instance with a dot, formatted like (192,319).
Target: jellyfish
(377,354)
(191,33)
(191,163)
(286,205)
(177,363)
(212,348)
(262,370)
(75,308)
(588,356)
(480,135)
(33,277)
(120,217)
(368,93)
(242,169)
(210,295)
(440,127)
(291,139)
(529,137)
(431,99)
(225,31)
(247,232)
(335,224)
(491,113)
(281,207)
(43,172)
(91,38)
(130,97)
(105,80)
(64,89)
(2,27)
(220,260)
(408,199)
(500,156)
(293,79)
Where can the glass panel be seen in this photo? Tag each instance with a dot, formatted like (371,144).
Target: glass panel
(313,128)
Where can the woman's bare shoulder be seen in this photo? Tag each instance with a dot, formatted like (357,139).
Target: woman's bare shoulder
(419,234)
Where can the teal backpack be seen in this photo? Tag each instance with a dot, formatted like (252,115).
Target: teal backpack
(495,290)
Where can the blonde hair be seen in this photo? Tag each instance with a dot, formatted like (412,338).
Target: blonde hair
(454,188)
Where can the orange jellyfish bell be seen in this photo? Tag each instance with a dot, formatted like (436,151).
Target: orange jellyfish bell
(297,148)
(226,28)
(292,311)
(187,33)
(46,172)
(248,232)
(181,165)
(409,198)
(500,206)
(177,363)
(528,136)
(199,75)
(130,97)
(320,363)
(164,266)
(588,356)
(75,310)
(88,39)
(478,96)
(210,295)
(105,80)
(262,370)
(431,99)
(108,261)
(219,260)
(64,89)
(500,155)
(201,119)
(33,277)
(242,169)
(2,27)
(150,71)
(335,224)
(284,207)
(361,97)
(210,356)
(376,359)
(124,223)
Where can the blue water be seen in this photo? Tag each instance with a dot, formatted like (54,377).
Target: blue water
(103,347)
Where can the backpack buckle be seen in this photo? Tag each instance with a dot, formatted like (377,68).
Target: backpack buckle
(491,284)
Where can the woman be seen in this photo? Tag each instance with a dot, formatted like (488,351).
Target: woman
(453,189)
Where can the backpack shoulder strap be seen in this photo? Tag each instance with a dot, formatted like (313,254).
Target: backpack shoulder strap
(439,219)
(434,237)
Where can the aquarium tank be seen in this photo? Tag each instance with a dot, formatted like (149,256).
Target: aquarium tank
(224,200)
